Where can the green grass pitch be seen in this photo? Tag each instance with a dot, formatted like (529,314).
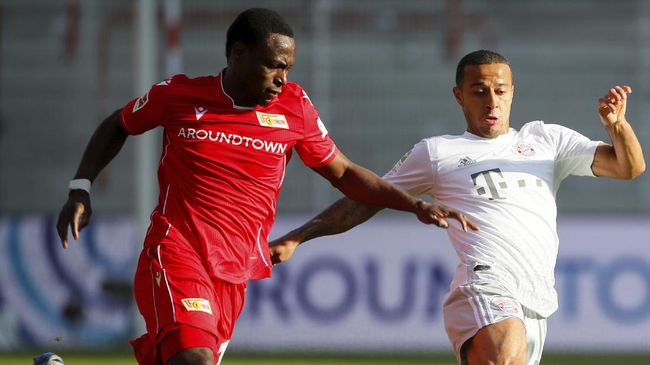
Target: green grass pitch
(329,359)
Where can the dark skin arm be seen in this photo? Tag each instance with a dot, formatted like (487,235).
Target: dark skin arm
(339,217)
(366,195)
(104,145)
(361,184)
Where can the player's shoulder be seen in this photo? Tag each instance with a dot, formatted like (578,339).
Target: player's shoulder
(542,129)
(434,144)
(535,126)
(445,139)
(293,90)
(293,94)
(183,86)
(292,100)
(182,81)
(199,81)
(444,145)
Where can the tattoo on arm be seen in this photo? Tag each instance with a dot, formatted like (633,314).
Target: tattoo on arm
(341,216)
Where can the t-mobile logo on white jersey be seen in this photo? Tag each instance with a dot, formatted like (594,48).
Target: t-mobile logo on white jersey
(488,182)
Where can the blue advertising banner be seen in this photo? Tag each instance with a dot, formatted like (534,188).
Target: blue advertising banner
(80,297)
(378,287)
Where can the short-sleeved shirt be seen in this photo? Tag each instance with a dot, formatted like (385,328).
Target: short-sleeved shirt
(222,167)
(507,185)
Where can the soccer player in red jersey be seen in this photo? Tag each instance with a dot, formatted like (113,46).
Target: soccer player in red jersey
(227,140)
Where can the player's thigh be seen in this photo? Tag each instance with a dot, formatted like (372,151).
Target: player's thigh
(193,356)
(186,343)
(474,309)
(173,288)
(503,342)
(176,297)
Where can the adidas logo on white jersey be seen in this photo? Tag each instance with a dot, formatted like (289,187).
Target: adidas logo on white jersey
(466,161)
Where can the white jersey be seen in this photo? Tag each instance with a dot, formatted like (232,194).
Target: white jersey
(506,185)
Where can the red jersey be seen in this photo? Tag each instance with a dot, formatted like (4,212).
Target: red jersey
(222,167)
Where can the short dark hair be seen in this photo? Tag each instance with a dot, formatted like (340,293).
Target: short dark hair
(476,58)
(253,27)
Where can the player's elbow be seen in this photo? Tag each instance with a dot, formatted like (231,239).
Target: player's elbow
(632,172)
(637,170)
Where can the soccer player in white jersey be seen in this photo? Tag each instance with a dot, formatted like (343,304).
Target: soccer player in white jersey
(506,181)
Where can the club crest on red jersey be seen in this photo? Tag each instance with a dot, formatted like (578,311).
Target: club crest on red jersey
(197,304)
(272,120)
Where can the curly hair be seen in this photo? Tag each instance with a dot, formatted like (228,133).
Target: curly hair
(253,27)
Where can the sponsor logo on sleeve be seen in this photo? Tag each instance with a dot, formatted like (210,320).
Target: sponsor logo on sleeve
(322,128)
(197,305)
(305,96)
(399,164)
(272,120)
(141,102)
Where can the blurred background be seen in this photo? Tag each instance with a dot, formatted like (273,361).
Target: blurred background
(381,74)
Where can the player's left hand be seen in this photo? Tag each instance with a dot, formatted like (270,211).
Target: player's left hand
(437,214)
(282,249)
(75,214)
(612,106)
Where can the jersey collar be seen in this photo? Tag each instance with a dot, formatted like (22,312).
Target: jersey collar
(503,137)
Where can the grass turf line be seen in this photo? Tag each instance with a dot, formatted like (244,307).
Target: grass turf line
(330,359)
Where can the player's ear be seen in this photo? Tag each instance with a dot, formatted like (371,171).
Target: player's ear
(458,95)
(238,51)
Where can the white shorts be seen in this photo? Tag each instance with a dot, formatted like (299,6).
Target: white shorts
(471,307)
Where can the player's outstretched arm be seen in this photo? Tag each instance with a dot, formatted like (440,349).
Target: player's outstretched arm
(361,184)
(341,216)
(366,194)
(623,159)
(104,145)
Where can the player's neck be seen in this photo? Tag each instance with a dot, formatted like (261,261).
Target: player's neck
(232,87)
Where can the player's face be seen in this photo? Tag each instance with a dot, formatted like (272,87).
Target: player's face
(486,97)
(263,69)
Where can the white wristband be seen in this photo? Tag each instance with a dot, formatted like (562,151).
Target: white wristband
(80,184)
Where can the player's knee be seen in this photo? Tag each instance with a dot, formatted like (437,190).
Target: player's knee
(474,354)
(193,356)
(494,358)
(507,359)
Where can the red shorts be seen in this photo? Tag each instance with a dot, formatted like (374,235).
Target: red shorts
(183,307)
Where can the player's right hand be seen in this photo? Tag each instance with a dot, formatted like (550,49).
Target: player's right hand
(430,213)
(612,106)
(75,213)
(282,249)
